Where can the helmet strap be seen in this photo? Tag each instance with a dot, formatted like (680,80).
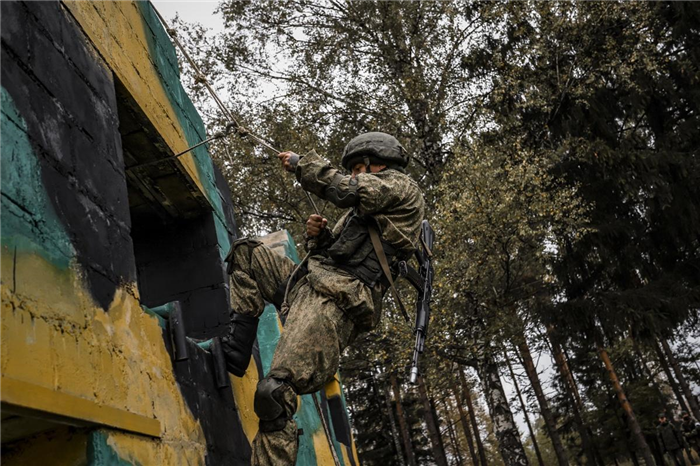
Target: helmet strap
(366,160)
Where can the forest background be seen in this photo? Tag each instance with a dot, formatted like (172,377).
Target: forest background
(557,147)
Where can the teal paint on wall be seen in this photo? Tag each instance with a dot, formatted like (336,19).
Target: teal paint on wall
(29,223)
(291,249)
(307,419)
(151,312)
(222,237)
(268,335)
(99,453)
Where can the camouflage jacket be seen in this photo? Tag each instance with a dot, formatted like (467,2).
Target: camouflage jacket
(395,202)
(669,437)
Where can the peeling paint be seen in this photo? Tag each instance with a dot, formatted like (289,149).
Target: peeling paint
(29,223)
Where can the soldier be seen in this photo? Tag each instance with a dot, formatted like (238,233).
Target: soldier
(691,431)
(671,440)
(339,293)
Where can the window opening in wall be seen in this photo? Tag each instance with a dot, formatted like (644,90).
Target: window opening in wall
(172,227)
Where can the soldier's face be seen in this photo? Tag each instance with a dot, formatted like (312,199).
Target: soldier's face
(358,168)
(362,168)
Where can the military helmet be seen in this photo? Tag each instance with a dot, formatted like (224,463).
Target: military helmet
(375,147)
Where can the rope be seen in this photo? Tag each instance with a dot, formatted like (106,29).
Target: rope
(217,135)
(326,430)
(285,304)
(201,78)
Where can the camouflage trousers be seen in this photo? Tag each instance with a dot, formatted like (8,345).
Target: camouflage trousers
(308,352)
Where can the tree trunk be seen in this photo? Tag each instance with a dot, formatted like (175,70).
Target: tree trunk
(410,458)
(392,420)
(635,429)
(522,404)
(574,396)
(467,396)
(546,413)
(647,373)
(430,421)
(465,423)
(669,376)
(692,401)
(505,429)
(453,437)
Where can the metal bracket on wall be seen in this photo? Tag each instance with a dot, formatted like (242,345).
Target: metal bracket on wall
(170,318)
(176,326)
(220,371)
(213,346)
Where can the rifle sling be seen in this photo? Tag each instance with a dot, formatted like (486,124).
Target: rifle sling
(379,250)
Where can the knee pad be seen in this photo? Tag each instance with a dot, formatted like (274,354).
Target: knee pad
(270,404)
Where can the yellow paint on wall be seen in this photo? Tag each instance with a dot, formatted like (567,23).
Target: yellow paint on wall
(332,388)
(244,393)
(354,450)
(55,336)
(323,450)
(117,30)
(47,400)
(141,451)
(344,451)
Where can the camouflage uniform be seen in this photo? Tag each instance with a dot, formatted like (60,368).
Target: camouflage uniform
(328,306)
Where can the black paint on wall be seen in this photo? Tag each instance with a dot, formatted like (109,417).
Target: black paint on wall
(227,202)
(339,420)
(214,408)
(68,101)
(181,261)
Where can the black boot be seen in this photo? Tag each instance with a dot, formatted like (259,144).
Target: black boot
(238,344)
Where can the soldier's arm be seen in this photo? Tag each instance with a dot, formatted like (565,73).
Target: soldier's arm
(369,193)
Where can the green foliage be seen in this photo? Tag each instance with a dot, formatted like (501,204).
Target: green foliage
(557,144)
(613,87)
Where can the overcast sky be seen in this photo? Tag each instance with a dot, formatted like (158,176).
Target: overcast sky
(199,12)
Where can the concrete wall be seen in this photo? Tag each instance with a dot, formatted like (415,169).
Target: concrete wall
(89,243)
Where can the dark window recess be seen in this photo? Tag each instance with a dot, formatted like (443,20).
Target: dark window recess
(173,230)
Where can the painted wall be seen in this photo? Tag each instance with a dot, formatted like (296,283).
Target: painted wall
(88,375)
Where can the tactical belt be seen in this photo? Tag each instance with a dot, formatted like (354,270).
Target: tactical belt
(379,250)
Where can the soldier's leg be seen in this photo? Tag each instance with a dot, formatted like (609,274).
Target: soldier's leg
(306,358)
(678,457)
(256,273)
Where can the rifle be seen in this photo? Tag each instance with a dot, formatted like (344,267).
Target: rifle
(422,281)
